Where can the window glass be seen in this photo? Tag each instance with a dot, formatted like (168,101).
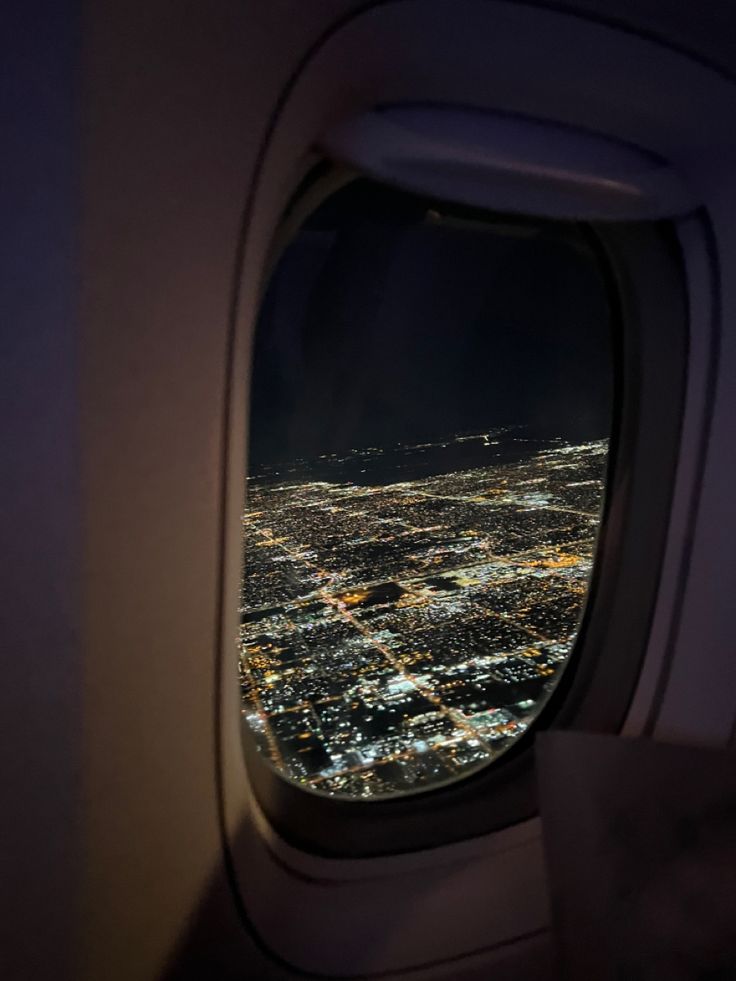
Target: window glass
(431,406)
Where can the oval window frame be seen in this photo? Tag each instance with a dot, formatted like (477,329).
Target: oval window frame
(644,274)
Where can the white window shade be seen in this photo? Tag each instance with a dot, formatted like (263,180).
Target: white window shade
(509,163)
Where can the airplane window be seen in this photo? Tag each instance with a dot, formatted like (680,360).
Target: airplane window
(430,415)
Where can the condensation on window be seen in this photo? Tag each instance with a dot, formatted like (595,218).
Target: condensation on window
(430,412)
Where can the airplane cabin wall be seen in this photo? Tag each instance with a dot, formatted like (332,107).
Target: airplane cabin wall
(119,541)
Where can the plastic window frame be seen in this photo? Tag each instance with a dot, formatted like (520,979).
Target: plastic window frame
(644,274)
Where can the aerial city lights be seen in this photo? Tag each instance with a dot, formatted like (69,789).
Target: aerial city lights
(395,636)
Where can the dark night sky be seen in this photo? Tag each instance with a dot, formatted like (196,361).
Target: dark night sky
(386,322)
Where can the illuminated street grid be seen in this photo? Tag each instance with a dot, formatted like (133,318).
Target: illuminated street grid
(397,636)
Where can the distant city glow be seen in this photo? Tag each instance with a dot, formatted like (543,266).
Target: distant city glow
(430,401)
(396,636)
